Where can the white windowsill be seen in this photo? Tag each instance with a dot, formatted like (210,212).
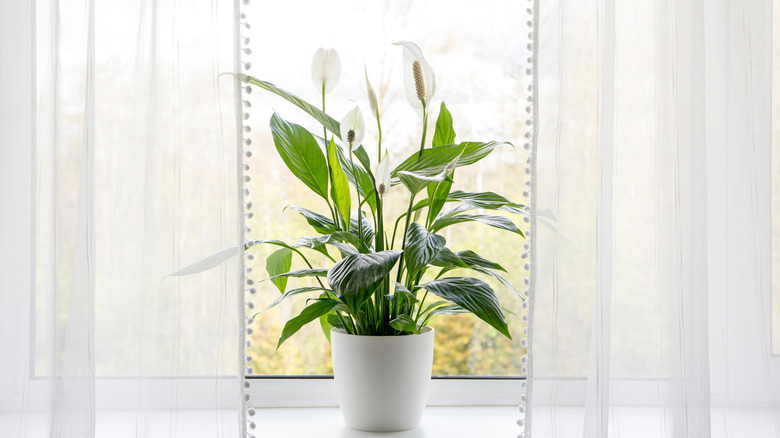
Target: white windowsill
(438,422)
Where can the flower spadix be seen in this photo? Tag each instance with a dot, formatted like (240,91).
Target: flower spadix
(325,69)
(353,129)
(419,79)
(383,175)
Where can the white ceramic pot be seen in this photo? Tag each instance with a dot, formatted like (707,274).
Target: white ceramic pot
(382,381)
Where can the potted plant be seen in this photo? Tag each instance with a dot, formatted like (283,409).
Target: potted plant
(377,295)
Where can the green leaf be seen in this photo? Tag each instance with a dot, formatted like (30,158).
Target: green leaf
(473,295)
(500,279)
(309,314)
(354,278)
(368,232)
(434,160)
(360,178)
(416,181)
(340,189)
(493,221)
(302,273)
(277,263)
(421,247)
(326,325)
(486,200)
(288,294)
(444,133)
(301,153)
(438,195)
(404,323)
(402,293)
(448,259)
(473,259)
(450,309)
(320,223)
(327,121)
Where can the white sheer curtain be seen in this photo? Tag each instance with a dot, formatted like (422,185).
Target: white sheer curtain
(651,313)
(133,173)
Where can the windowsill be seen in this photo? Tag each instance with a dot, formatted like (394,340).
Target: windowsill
(438,422)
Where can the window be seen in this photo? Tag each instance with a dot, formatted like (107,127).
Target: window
(481,75)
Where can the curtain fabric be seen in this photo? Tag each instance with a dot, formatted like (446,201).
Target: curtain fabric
(135,174)
(651,311)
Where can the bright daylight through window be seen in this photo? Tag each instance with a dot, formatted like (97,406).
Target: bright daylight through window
(481,75)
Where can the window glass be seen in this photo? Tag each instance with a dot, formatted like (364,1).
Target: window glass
(479,54)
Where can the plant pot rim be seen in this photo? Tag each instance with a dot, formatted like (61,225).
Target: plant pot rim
(423,331)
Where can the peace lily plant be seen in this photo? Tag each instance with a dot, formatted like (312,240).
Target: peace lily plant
(360,292)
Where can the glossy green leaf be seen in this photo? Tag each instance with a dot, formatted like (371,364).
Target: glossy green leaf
(448,259)
(402,293)
(367,235)
(421,247)
(320,223)
(303,273)
(354,278)
(327,121)
(288,294)
(404,323)
(438,194)
(301,153)
(493,221)
(471,258)
(416,181)
(359,177)
(340,188)
(500,279)
(434,160)
(473,295)
(277,263)
(444,133)
(309,314)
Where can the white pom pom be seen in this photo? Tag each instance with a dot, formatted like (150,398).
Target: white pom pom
(250,305)
(249,331)
(249,205)
(249,281)
(524,342)
(246,397)
(251,412)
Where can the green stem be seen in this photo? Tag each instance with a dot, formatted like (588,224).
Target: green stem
(419,309)
(359,215)
(425,130)
(403,244)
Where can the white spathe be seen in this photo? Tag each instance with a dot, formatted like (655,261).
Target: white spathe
(413,53)
(382,381)
(383,175)
(353,121)
(325,69)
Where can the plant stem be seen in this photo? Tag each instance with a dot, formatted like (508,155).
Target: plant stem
(425,130)
(406,228)
(419,309)
(359,215)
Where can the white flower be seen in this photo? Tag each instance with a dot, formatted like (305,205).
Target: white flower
(383,175)
(353,129)
(419,79)
(372,100)
(325,69)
